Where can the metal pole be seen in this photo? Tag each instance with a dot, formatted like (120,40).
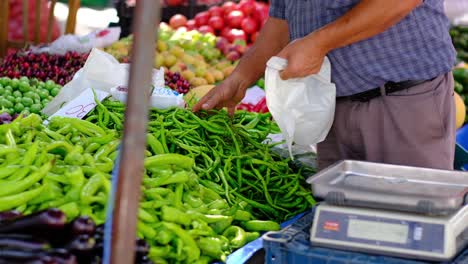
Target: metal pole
(127,195)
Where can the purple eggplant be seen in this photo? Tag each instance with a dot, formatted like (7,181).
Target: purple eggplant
(82,226)
(142,248)
(83,247)
(9,215)
(61,256)
(44,223)
(100,229)
(22,241)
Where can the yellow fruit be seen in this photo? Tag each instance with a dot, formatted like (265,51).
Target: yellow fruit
(218,75)
(162,46)
(223,65)
(227,71)
(177,51)
(159,60)
(460,110)
(198,81)
(200,71)
(210,78)
(188,74)
(197,93)
(188,59)
(170,60)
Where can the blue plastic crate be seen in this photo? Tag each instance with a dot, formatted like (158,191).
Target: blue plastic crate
(291,245)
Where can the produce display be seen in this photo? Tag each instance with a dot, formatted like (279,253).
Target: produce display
(209,187)
(43,66)
(192,54)
(231,21)
(47,237)
(25,95)
(460,41)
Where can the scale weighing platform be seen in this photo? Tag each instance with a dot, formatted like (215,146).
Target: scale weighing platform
(401,211)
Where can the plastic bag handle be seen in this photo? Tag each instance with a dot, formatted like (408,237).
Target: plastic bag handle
(280,64)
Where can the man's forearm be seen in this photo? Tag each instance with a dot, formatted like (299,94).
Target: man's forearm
(272,39)
(365,20)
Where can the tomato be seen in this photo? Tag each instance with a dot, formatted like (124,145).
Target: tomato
(228,7)
(27,101)
(236,34)
(216,22)
(54,91)
(216,11)
(249,25)
(191,24)
(19,107)
(177,21)
(24,87)
(36,108)
(247,7)
(234,18)
(202,18)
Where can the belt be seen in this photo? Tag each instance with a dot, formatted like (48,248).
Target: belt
(390,87)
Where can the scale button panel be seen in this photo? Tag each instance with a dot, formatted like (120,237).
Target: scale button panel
(379,231)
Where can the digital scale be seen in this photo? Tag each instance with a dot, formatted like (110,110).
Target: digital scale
(391,210)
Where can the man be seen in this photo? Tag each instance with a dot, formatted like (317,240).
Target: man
(391,63)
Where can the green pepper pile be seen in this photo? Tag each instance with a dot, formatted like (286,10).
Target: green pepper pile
(26,95)
(67,165)
(229,156)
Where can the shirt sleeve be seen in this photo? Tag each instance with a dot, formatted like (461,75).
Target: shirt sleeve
(278,9)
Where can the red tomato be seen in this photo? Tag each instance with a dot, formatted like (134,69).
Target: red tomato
(254,37)
(235,34)
(174,2)
(247,7)
(191,25)
(225,32)
(206,29)
(177,21)
(202,18)
(234,18)
(216,11)
(249,25)
(228,7)
(216,22)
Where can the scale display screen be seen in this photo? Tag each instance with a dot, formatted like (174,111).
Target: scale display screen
(378,231)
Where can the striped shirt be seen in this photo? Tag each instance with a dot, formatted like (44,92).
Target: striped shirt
(417,48)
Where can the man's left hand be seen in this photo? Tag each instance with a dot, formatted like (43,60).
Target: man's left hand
(305,57)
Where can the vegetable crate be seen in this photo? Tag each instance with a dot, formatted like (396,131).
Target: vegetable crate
(292,245)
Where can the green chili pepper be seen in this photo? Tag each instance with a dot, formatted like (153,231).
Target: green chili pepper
(178,177)
(174,215)
(8,170)
(20,174)
(12,201)
(260,226)
(145,216)
(15,187)
(146,230)
(251,236)
(92,147)
(236,236)
(90,188)
(241,215)
(212,247)
(71,210)
(10,139)
(172,159)
(191,248)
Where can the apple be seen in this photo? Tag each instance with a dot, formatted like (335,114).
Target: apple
(221,43)
(206,29)
(235,34)
(249,25)
(216,22)
(228,7)
(191,24)
(225,32)
(234,18)
(202,18)
(216,11)
(247,7)
(177,21)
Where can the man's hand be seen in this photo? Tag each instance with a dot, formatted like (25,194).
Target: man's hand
(227,94)
(305,57)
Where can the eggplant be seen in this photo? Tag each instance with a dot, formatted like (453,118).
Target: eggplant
(61,256)
(82,226)
(100,229)
(15,254)
(142,249)
(83,247)
(45,223)
(22,241)
(9,215)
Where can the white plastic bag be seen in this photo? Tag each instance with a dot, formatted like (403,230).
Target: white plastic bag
(304,108)
(100,72)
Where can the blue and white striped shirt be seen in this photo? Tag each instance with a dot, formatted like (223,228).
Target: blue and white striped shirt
(417,48)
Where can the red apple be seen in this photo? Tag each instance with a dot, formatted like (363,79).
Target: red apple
(235,34)
(216,22)
(247,7)
(177,21)
(202,18)
(191,24)
(225,32)
(228,7)
(216,11)
(249,25)
(206,29)
(234,18)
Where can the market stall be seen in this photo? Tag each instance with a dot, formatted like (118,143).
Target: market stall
(103,161)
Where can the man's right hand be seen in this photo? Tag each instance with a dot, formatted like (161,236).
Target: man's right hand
(227,94)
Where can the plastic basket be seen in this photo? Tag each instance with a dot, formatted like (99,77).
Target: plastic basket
(291,245)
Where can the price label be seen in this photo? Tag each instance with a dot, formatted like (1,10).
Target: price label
(81,105)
